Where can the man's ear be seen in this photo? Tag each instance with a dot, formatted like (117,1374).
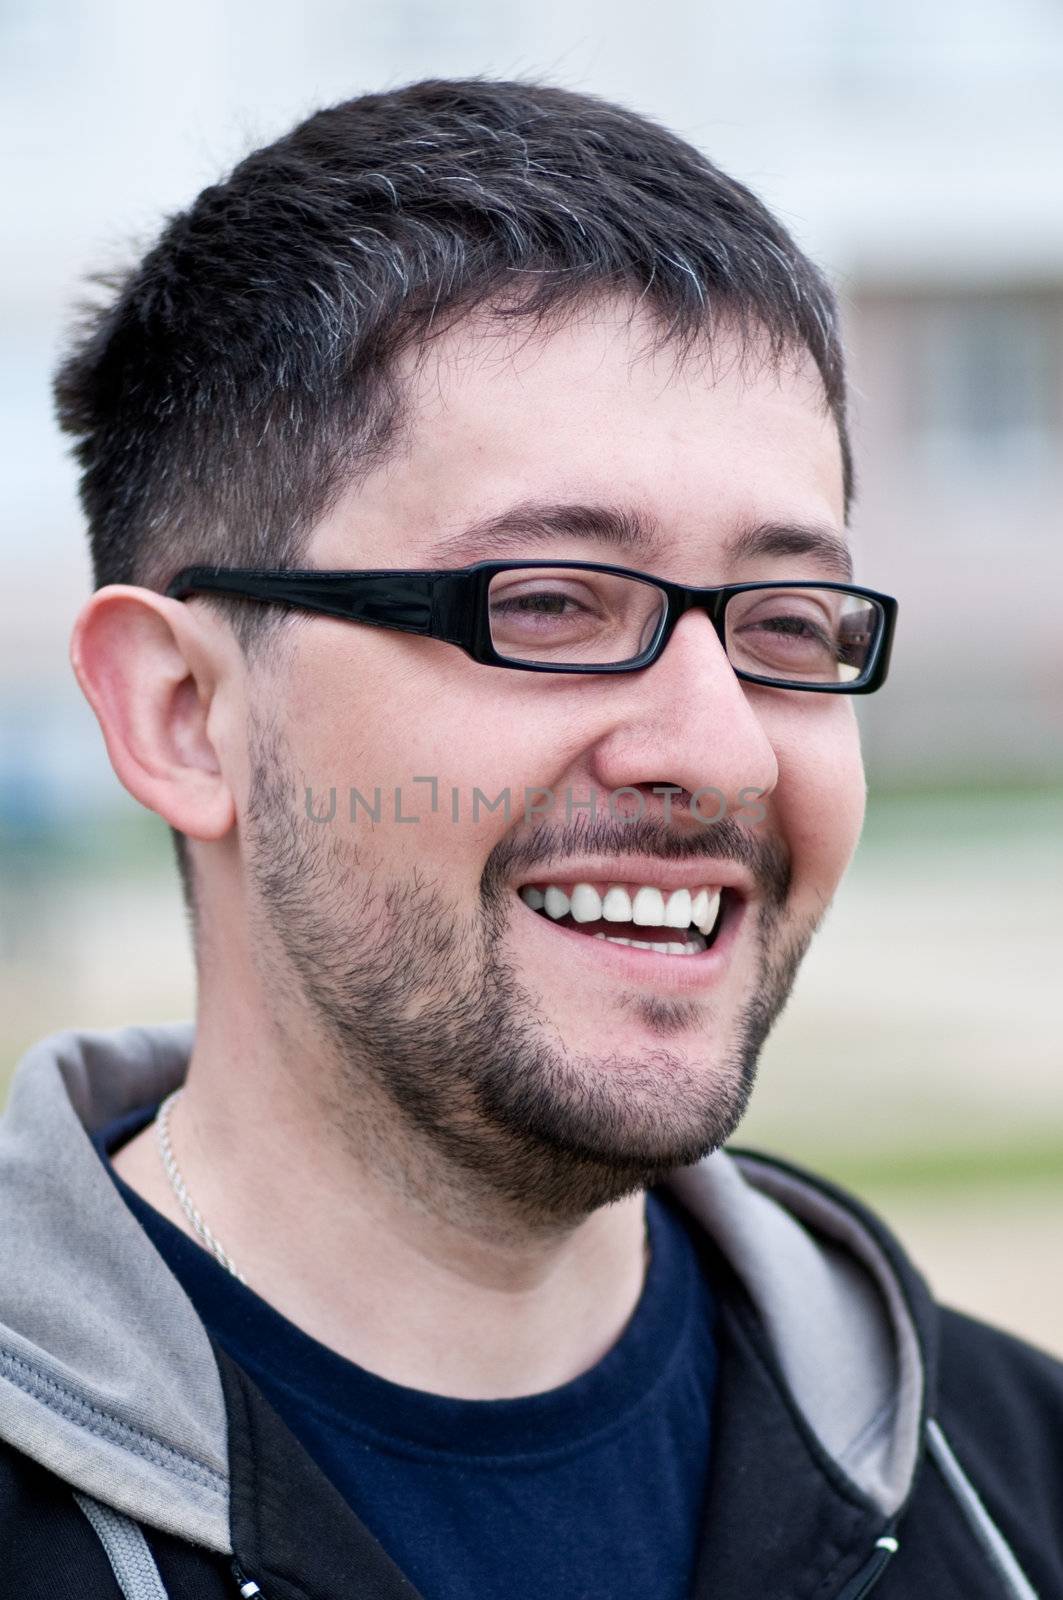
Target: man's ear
(151,670)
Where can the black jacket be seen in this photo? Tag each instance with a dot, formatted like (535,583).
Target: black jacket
(865,1440)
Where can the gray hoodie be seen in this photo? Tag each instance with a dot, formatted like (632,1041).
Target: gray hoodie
(108,1378)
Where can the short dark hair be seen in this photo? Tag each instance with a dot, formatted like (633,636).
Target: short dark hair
(243,372)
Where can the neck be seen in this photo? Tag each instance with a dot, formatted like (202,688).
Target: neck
(377,1250)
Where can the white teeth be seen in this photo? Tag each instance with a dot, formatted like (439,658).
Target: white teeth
(672,949)
(556,902)
(704,909)
(647,909)
(586,903)
(616,907)
(677,910)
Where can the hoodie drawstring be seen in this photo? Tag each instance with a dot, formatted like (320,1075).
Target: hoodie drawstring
(126,1548)
(993,1543)
(886,1548)
(247,1586)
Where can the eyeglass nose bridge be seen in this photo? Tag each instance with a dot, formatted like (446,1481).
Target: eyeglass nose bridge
(682,599)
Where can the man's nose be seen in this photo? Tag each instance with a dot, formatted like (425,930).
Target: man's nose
(688,722)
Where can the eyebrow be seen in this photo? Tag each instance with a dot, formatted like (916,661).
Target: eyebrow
(624,531)
(825,548)
(520,528)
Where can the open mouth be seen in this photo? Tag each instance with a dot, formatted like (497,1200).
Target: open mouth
(677,922)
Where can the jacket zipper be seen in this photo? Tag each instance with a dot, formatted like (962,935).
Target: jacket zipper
(871,1572)
(248,1587)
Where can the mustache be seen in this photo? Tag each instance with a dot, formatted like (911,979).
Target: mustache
(767,860)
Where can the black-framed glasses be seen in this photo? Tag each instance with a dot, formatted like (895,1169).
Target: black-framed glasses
(582,616)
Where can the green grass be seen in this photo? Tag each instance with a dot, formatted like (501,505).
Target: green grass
(916,818)
(1033,1161)
(129,842)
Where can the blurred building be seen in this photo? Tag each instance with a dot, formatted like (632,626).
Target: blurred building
(916,151)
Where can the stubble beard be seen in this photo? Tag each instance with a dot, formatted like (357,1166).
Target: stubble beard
(442,1068)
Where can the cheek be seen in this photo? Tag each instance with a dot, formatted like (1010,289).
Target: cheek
(425,731)
(821,795)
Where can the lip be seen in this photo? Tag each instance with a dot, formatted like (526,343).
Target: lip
(692,873)
(675,974)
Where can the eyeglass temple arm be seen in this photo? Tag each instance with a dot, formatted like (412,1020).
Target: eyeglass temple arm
(394,600)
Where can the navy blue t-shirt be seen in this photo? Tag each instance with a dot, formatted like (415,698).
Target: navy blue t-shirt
(593,1490)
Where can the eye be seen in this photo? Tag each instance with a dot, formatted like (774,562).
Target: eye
(782,626)
(813,634)
(584,617)
(797,628)
(541,603)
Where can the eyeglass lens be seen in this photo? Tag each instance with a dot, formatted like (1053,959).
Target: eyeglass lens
(564,617)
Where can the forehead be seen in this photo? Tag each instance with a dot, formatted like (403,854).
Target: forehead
(510,431)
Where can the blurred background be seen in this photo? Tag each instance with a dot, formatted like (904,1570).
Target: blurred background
(916,151)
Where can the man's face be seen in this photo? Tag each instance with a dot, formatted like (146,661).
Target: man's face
(531,1058)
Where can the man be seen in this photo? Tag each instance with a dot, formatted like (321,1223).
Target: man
(417,1266)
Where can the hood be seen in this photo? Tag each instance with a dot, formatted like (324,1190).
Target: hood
(109,1380)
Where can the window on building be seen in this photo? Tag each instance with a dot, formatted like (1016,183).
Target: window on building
(987,374)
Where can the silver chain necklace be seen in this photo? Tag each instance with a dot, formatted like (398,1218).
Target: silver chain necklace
(184,1199)
(177,1184)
